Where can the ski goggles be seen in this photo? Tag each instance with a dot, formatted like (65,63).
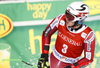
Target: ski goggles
(69,16)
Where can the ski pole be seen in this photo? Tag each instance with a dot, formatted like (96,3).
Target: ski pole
(19,61)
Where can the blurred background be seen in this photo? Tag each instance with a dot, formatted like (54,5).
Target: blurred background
(32,0)
(23,21)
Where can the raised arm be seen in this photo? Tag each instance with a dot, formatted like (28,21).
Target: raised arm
(47,33)
(46,38)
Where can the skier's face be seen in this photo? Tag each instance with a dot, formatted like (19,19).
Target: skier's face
(69,23)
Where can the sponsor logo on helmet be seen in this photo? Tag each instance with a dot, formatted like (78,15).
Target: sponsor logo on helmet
(82,14)
(83,8)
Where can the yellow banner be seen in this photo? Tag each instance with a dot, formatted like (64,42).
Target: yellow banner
(94,6)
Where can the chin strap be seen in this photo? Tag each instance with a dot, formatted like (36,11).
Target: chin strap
(75,25)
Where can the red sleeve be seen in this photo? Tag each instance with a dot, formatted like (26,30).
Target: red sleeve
(89,46)
(46,35)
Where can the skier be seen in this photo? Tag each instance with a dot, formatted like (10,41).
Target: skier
(73,38)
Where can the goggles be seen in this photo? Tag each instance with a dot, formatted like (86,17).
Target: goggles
(69,16)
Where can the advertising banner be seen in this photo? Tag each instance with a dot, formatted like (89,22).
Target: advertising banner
(25,40)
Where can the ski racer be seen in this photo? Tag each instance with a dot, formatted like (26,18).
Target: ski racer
(73,38)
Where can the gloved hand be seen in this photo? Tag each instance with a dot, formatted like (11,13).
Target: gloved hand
(43,61)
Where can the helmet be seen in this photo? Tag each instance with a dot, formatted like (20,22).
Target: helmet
(77,12)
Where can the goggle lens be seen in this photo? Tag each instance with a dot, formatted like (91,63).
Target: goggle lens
(69,16)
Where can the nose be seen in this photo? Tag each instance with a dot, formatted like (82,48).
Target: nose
(67,20)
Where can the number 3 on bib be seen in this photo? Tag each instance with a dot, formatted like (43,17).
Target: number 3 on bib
(64,49)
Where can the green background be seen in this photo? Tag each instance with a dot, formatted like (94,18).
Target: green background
(18,39)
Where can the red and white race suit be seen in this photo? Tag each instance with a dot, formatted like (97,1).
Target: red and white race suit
(69,44)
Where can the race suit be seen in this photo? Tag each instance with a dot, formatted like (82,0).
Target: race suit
(69,45)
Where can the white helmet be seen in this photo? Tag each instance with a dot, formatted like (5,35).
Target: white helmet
(77,11)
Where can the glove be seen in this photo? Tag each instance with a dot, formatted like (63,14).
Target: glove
(43,61)
(68,66)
